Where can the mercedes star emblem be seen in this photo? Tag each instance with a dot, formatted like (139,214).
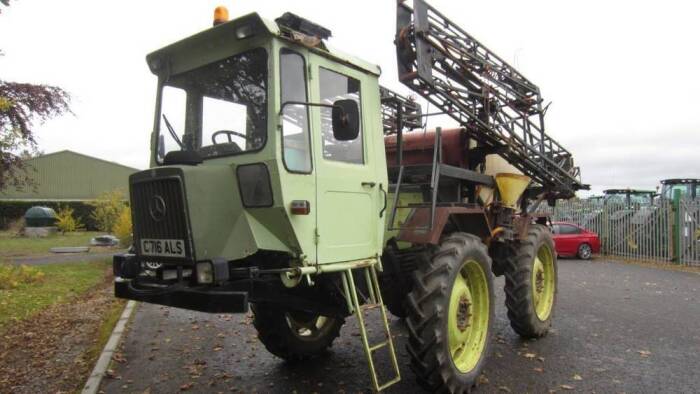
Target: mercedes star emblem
(157,208)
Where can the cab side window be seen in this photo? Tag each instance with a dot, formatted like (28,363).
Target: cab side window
(336,87)
(296,147)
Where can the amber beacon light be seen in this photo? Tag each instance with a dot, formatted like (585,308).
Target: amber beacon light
(220,15)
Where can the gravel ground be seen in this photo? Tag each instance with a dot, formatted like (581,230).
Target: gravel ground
(618,328)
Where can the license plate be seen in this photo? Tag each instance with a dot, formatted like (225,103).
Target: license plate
(163,247)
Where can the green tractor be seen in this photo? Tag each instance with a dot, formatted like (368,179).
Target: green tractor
(285,178)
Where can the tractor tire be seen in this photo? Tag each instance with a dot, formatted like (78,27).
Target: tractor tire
(396,280)
(451,314)
(531,283)
(294,336)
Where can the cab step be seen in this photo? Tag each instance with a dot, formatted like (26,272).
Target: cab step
(374,302)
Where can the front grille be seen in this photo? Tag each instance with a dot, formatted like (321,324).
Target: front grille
(159,212)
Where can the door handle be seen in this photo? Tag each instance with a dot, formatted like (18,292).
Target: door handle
(369,184)
(381,213)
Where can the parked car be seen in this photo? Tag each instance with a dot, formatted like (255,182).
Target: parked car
(571,240)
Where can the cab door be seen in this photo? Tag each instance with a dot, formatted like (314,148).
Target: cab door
(347,190)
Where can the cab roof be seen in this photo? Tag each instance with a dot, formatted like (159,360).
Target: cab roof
(258,27)
(630,191)
(679,181)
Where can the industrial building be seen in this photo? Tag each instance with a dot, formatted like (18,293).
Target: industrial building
(70,176)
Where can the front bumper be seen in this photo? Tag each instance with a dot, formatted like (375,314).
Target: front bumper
(196,299)
(209,299)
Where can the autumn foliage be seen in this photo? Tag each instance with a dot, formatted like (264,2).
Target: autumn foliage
(22,106)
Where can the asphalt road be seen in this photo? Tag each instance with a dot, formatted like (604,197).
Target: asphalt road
(618,328)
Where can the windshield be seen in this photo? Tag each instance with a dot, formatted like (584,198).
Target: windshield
(640,198)
(634,198)
(218,109)
(670,189)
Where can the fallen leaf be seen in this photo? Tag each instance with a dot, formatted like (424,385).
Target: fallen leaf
(644,353)
(577,377)
(530,355)
(566,387)
(186,386)
(538,369)
(504,389)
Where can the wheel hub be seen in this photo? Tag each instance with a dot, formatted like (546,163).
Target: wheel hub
(463,313)
(468,316)
(539,277)
(543,282)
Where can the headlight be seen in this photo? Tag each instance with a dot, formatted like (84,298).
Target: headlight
(205,273)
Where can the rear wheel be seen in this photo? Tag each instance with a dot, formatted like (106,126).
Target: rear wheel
(450,315)
(294,336)
(531,283)
(585,252)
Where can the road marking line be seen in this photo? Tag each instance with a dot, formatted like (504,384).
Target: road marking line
(93,382)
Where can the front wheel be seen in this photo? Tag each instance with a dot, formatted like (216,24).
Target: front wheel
(450,315)
(294,336)
(531,283)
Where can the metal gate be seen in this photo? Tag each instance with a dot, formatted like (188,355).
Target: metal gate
(639,231)
(689,232)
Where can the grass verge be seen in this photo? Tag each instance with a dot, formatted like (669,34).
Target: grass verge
(61,283)
(12,245)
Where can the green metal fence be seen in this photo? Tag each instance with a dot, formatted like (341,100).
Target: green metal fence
(666,231)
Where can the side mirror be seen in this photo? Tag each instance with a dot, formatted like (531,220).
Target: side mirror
(346,120)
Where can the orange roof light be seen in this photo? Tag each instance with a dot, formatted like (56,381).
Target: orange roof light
(220,15)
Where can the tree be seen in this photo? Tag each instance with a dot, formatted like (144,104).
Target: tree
(107,209)
(22,106)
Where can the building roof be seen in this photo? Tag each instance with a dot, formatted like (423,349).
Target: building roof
(71,176)
(67,151)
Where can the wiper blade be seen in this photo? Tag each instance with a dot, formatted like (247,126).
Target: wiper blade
(173,133)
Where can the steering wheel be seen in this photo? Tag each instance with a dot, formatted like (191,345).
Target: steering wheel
(228,133)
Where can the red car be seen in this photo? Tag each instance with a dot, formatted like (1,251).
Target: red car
(571,240)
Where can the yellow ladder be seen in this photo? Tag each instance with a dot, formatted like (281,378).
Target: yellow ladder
(375,302)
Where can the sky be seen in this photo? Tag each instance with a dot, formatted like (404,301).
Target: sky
(623,76)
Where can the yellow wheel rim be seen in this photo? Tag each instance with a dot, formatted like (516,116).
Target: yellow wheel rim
(468,316)
(543,282)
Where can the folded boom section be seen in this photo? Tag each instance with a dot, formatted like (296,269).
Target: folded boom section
(500,108)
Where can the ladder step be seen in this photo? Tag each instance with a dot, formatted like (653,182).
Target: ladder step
(375,302)
(378,346)
(390,383)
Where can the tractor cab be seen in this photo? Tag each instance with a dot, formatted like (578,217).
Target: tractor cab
(688,188)
(257,120)
(629,197)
